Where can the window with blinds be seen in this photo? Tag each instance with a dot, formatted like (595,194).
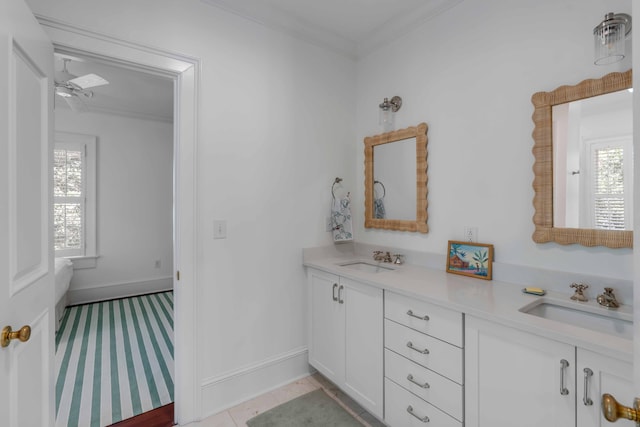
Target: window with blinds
(69,188)
(610,187)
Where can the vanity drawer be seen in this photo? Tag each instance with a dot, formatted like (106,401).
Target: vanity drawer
(442,357)
(441,392)
(443,323)
(401,408)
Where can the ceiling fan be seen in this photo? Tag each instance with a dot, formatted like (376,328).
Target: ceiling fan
(73,88)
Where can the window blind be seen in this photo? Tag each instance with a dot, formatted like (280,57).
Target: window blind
(608,188)
(69,200)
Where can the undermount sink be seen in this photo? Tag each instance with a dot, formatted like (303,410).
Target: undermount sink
(369,267)
(592,317)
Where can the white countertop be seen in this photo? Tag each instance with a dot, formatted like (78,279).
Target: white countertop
(486,299)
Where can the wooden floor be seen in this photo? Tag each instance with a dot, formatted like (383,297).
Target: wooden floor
(161,417)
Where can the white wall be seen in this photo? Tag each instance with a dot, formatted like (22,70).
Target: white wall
(279,120)
(470,73)
(134,205)
(276,126)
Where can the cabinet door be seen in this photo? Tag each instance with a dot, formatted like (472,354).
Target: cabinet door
(514,379)
(596,375)
(363,344)
(326,335)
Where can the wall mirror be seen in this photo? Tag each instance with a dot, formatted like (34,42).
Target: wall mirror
(396,180)
(584,163)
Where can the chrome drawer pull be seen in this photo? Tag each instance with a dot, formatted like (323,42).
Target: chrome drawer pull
(340,300)
(563,366)
(410,345)
(586,399)
(335,286)
(410,313)
(425,385)
(424,419)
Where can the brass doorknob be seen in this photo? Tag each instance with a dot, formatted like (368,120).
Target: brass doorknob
(23,334)
(612,410)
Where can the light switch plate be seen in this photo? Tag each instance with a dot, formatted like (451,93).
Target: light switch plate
(220,229)
(470,234)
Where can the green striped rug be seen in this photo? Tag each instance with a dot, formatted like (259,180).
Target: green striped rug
(114,360)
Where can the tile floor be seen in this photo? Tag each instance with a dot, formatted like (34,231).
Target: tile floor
(239,415)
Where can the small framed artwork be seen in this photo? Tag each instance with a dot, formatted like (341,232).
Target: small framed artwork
(470,259)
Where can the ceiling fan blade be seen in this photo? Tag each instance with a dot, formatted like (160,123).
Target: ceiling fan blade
(75,103)
(88,80)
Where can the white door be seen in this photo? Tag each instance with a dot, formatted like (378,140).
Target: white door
(26,286)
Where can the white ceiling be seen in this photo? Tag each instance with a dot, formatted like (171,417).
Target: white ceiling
(353,27)
(129,93)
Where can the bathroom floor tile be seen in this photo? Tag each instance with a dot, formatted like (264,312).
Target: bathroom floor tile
(247,410)
(312,380)
(240,414)
(293,390)
(223,419)
(325,383)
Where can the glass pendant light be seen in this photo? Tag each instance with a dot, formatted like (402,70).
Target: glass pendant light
(609,38)
(388,111)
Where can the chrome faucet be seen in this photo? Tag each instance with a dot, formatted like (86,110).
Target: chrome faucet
(382,256)
(608,299)
(579,293)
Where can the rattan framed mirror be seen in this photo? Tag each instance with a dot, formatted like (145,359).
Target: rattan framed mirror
(417,223)
(543,167)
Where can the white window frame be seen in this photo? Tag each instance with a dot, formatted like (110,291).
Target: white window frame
(86,257)
(587,179)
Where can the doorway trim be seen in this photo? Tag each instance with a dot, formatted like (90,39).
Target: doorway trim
(185,71)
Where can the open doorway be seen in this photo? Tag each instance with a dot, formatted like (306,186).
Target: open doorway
(114,152)
(184,70)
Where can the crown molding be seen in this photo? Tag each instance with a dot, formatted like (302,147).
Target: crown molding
(280,20)
(402,25)
(118,112)
(283,21)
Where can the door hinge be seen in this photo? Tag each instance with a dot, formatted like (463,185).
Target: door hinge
(178,275)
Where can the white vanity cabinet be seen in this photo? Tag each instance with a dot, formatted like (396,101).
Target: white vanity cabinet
(415,362)
(345,336)
(596,375)
(514,378)
(423,363)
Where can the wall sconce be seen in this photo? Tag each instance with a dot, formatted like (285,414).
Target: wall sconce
(388,111)
(609,38)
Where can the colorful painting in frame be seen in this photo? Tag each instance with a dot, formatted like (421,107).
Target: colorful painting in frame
(470,259)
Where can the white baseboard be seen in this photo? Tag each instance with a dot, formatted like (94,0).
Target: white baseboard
(118,290)
(232,388)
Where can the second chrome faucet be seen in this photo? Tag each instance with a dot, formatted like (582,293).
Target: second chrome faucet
(606,299)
